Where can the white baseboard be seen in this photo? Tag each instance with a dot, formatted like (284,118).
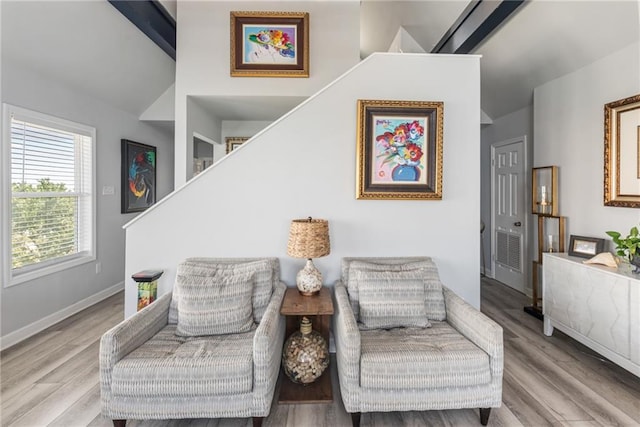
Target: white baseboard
(25,332)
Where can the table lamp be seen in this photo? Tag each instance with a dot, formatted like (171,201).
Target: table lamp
(309,238)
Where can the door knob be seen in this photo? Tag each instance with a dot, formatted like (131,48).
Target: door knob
(517,224)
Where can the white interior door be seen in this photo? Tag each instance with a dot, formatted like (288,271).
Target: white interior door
(509,219)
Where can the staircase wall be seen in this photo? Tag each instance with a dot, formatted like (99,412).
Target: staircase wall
(305,165)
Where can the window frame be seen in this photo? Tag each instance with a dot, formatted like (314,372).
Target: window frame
(35,271)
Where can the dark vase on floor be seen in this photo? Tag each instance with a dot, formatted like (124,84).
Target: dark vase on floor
(635,261)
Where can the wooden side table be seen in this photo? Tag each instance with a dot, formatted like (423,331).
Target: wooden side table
(318,308)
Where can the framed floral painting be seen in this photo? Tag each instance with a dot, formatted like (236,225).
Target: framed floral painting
(399,150)
(270,44)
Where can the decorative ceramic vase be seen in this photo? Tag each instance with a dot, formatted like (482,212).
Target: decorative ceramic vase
(309,279)
(305,355)
(405,173)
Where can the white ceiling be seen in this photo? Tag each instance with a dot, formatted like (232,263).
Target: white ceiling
(89,45)
(546,40)
(266,108)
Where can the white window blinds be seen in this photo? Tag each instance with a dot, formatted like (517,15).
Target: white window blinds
(52,218)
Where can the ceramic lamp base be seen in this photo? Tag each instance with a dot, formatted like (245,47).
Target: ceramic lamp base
(309,279)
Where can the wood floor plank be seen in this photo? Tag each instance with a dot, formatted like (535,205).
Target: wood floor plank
(99,421)
(59,401)
(17,381)
(601,382)
(82,412)
(590,401)
(525,407)
(578,424)
(425,418)
(36,343)
(553,399)
(519,325)
(381,419)
(69,369)
(17,406)
(503,417)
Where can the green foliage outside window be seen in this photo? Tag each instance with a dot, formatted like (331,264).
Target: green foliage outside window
(42,227)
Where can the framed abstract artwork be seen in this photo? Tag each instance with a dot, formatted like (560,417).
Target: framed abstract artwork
(399,150)
(269,44)
(234,142)
(622,153)
(138,171)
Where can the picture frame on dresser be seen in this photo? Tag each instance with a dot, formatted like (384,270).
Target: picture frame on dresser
(585,247)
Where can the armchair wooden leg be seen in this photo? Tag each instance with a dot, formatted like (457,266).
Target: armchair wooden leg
(355,419)
(484,415)
(257,421)
(119,423)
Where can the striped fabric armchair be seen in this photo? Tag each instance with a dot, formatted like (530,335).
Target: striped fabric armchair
(209,349)
(406,343)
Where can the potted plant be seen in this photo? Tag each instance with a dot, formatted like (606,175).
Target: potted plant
(628,247)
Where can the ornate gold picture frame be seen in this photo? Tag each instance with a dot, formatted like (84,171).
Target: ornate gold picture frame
(234,142)
(399,150)
(622,153)
(270,44)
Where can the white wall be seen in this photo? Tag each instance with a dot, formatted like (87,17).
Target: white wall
(29,305)
(163,109)
(569,133)
(513,125)
(201,122)
(305,165)
(203,56)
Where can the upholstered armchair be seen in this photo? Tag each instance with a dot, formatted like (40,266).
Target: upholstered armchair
(209,349)
(404,342)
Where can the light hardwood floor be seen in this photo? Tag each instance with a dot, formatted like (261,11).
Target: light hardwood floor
(52,379)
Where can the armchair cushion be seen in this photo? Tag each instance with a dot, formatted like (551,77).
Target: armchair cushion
(267,272)
(170,365)
(434,298)
(414,358)
(213,301)
(391,299)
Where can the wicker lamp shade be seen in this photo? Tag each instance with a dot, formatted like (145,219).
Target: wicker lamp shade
(309,238)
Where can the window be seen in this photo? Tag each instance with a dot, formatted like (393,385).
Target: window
(49,197)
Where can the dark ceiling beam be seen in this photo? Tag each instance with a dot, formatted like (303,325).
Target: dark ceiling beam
(476,23)
(153,20)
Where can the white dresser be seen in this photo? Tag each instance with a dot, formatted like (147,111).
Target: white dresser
(596,305)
